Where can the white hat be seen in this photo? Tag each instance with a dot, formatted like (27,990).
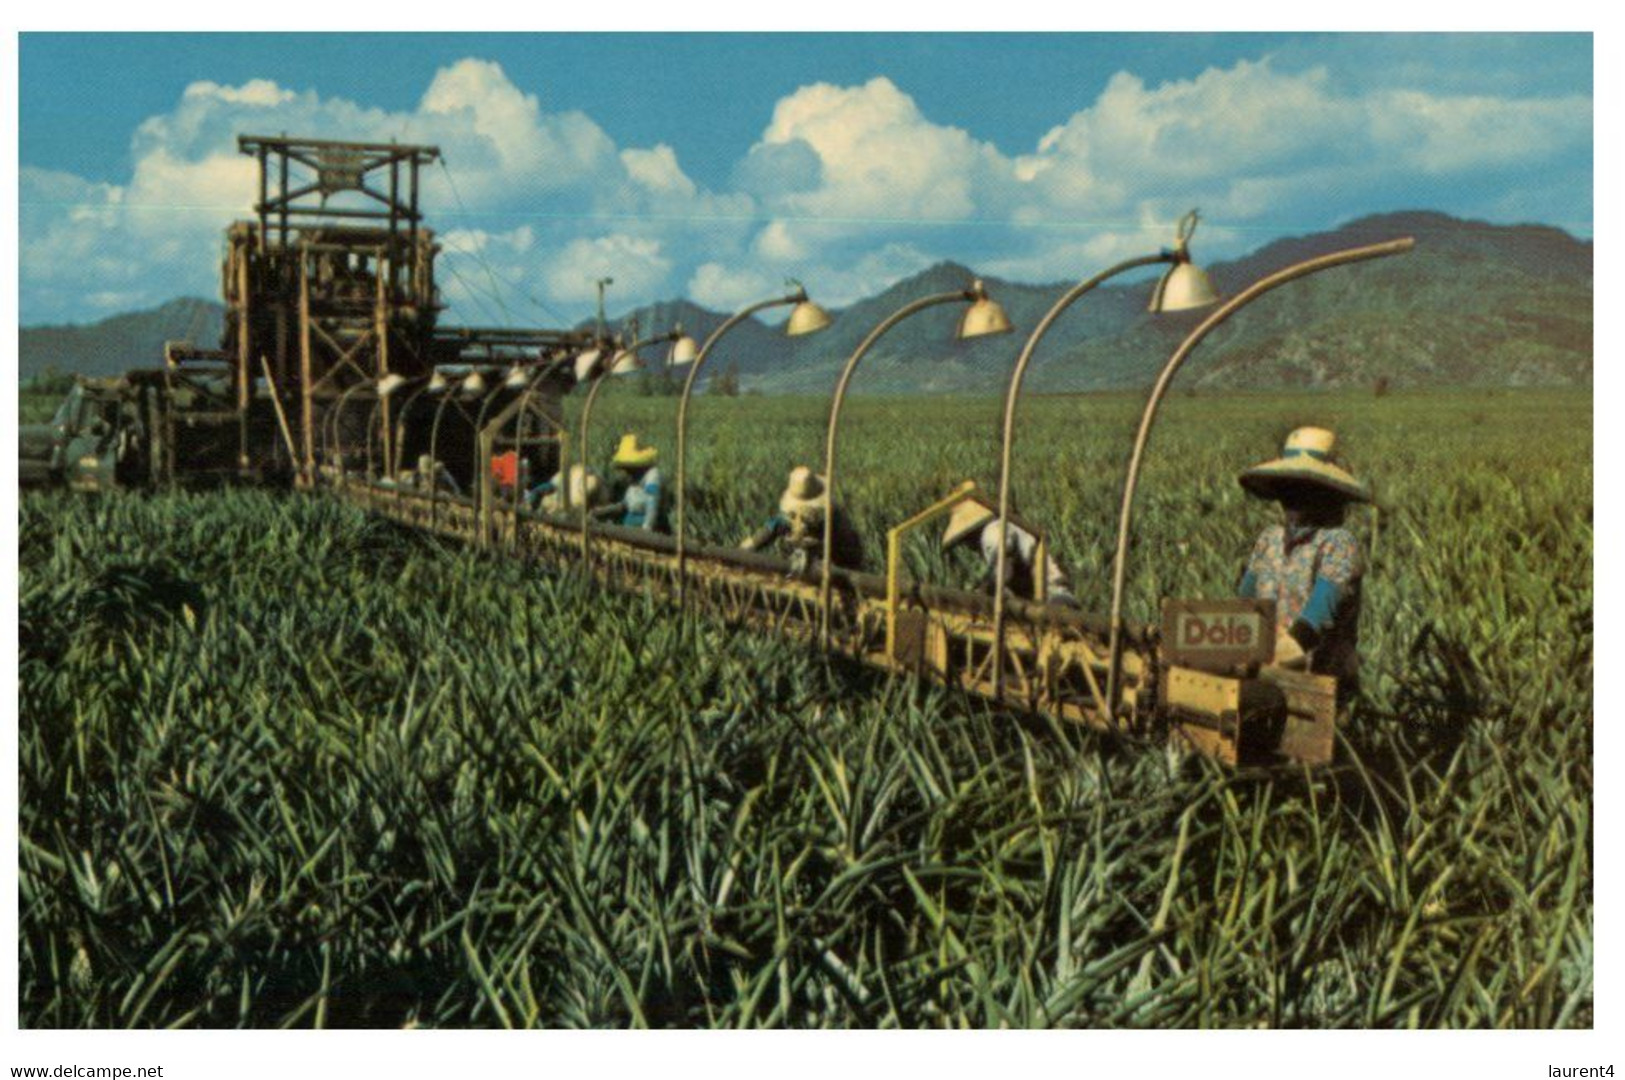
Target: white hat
(803,493)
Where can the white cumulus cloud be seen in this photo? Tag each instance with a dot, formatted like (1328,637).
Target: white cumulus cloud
(635,263)
(847,188)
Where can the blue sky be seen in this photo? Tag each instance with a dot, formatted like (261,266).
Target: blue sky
(715,166)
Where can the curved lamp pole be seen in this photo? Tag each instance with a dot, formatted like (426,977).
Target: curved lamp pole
(472,385)
(524,414)
(338,417)
(331,442)
(480,481)
(1160,389)
(806,318)
(383,390)
(983,317)
(624,362)
(1183,287)
(372,421)
(435,383)
(468,386)
(517,378)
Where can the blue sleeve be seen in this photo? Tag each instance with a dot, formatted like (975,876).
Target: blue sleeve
(1247,588)
(1322,604)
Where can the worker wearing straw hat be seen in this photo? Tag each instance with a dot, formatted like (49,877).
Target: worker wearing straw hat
(799,525)
(975,522)
(1310,565)
(643,504)
(431,474)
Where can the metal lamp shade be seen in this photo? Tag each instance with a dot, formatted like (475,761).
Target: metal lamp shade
(806,318)
(390,383)
(586,363)
(474,385)
(438,382)
(683,351)
(984,317)
(517,378)
(625,363)
(1184,287)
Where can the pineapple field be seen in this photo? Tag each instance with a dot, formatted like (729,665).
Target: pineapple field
(285,765)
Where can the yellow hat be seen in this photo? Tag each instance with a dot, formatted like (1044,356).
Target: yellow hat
(1306,459)
(967,518)
(804,492)
(629,455)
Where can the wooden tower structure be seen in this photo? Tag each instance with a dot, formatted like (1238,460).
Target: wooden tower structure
(329,286)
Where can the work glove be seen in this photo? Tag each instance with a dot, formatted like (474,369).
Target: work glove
(1289,654)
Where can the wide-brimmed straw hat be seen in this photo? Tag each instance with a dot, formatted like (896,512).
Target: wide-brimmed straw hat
(629,455)
(967,519)
(1306,459)
(803,492)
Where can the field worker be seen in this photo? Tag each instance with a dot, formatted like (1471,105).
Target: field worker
(975,523)
(506,473)
(643,505)
(584,488)
(799,525)
(432,473)
(1310,565)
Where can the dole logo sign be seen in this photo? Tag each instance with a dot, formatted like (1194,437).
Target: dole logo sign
(1218,634)
(1232,631)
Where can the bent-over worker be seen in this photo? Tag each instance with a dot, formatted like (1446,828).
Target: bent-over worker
(976,522)
(432,474)
(642,505)
(1310,565)
(799,525)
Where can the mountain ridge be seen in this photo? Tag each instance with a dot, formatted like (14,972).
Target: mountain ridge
(1473,304)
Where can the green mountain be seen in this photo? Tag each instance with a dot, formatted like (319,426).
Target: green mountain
(118,343)
(1473,305)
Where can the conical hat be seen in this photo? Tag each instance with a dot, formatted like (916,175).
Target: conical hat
(1306,459)
(803,493)
(966,518)
(629,455)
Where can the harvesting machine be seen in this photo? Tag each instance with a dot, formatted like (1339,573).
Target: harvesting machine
(335,373)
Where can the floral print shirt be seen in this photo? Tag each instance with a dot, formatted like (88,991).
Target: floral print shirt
(1313,575)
